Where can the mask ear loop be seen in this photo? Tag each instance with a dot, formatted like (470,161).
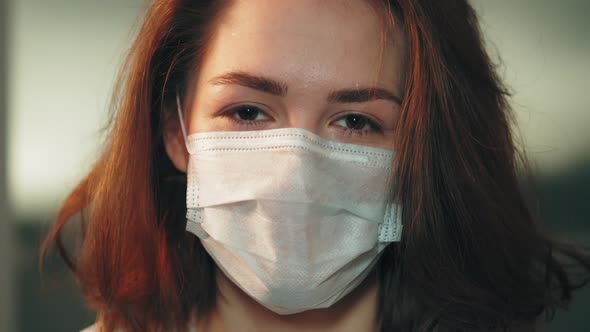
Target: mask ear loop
(193,216)
(182,127)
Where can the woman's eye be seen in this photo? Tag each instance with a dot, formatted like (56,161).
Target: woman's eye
(247,113)
(357,123)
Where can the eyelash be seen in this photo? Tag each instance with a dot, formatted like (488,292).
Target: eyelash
(232,114)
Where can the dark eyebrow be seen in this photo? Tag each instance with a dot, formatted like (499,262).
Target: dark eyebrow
(362,95)
(278,88)
(255,82)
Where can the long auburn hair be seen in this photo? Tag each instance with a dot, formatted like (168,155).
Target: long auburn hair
(472,255)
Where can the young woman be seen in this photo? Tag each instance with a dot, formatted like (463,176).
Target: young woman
(265,155)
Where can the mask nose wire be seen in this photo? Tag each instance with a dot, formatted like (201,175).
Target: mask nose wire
(182,127)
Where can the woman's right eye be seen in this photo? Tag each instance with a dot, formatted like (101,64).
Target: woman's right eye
(248,115)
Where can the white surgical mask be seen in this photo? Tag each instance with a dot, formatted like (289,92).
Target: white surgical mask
(294,220)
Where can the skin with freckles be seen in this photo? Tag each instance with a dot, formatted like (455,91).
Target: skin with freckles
(315,65)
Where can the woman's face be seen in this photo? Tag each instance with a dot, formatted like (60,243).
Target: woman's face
(314,65)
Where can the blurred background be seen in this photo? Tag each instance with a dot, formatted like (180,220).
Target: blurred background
(58,61)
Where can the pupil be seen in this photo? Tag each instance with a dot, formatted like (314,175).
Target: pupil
(248,113)
(356,122)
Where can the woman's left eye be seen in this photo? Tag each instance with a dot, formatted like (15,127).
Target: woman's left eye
(357,123)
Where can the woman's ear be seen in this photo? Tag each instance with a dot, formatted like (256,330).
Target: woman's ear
(175,145)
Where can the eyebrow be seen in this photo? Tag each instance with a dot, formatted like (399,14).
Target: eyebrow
(255,82)
(277,88)
(362,95)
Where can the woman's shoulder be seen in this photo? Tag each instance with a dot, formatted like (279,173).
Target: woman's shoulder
(191,326)
(94,328)
(91,328)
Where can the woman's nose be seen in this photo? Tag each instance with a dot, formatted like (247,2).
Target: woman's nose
(307,120)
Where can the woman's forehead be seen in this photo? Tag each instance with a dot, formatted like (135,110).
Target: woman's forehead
(336,43)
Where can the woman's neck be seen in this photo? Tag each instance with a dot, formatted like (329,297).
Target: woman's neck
(236,311)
